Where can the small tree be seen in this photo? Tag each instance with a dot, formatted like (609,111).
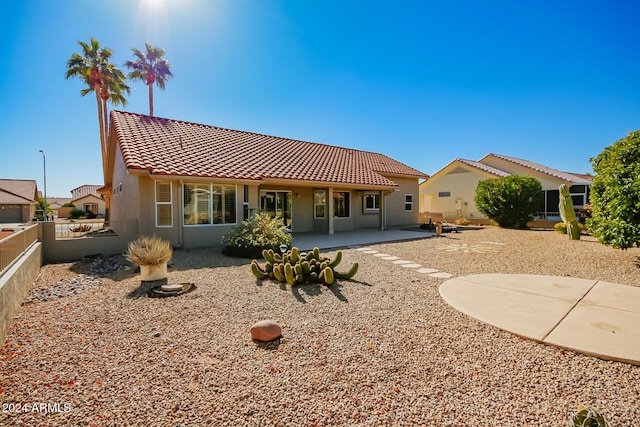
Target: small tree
(615,194)
(510,201)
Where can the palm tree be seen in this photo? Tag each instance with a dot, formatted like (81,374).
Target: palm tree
(150,67)
(101,77)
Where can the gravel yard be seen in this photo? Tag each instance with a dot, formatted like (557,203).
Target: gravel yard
(382,350)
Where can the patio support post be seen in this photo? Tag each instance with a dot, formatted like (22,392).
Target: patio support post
(330,203)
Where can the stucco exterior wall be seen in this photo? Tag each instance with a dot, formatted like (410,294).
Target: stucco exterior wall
(394,204)
(124,197)
(79,203)
(15,284)
(461,185)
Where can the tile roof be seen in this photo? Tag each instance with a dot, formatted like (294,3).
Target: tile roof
(576,179)
(177,148)
(483,167)
(85,190)
(17,191)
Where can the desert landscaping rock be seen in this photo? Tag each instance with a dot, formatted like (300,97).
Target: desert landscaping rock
(382,350)
(265,330)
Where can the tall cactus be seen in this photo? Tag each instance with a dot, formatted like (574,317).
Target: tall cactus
(567,213)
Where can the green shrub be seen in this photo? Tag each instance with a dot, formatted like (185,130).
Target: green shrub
(250,237)
(511,201)
(68,205)
(560,227)
(615,194)
(76,213)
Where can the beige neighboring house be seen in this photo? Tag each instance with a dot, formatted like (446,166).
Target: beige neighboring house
(89,200)
(191,183)
(18,200)
(55,203)
(451,190)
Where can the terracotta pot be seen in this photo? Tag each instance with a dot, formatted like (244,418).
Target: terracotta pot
(153,272)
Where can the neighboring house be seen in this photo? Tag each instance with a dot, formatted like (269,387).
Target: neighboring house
(451,190)
(191,183)
(18,200)
(89,200)
(56,203)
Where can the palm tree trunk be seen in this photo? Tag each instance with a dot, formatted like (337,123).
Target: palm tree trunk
(105,125)
(100,121)
(151,100)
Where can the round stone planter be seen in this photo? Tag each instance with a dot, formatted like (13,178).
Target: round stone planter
(153,272)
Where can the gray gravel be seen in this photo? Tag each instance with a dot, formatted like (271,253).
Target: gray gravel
(381,350)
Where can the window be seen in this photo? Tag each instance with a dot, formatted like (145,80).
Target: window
(371,202)
(245,202)
(91,208)
(408,202)
(341,204)
(319,202)
(163,204)
(206,204)
(444,194)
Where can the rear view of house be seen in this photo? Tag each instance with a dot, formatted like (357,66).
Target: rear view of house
(190,183)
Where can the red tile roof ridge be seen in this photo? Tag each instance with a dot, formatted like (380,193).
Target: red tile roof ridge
(217,152)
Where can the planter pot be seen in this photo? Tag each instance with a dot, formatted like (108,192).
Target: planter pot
(153,272)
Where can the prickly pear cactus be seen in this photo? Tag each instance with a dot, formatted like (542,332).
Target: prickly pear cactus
(567,213)
(294,269)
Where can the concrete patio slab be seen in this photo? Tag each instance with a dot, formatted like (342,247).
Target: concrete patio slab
(596,318)
(603,332)
(524,314)
(612,295)
(568,288)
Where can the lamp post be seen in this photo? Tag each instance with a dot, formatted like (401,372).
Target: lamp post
(44,162)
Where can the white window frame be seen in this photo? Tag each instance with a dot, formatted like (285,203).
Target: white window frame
(376,203)
(158,203)
(212,188)
(324,204)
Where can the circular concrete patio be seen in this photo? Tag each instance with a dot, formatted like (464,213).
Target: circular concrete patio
(592,317)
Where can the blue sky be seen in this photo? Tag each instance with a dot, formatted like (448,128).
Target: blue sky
(423,82)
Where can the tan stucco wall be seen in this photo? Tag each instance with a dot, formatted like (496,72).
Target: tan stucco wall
(124,197)
(461,183)
(74,249)
(15,284)
(394,203)
(79,203)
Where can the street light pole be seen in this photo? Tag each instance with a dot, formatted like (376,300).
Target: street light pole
(44,162)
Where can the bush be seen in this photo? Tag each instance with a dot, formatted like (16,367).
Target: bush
(76,213)
(560,227)
(584,214)
(68,205)
(250,237)
(511,201)
(615,194)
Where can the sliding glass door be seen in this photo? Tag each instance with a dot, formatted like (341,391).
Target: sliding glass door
(277,204)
